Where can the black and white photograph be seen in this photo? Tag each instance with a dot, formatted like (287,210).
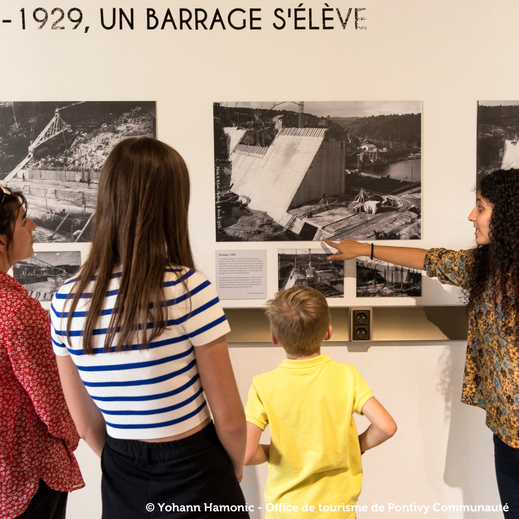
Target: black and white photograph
(312,268)
(44,272)
(498,135)
(301,171)
(53,153)
(377,278)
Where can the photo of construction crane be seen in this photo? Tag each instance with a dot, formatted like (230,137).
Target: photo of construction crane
(312,268)
(44,272)
(53,153)
(299,171)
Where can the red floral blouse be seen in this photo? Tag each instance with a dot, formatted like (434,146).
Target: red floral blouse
(37,434)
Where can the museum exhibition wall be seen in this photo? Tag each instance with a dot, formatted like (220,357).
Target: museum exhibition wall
(298,121)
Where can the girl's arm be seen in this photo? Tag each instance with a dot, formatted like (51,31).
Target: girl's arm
(256,453)
(85,413)
(216,374)
(349,248)
(382,425)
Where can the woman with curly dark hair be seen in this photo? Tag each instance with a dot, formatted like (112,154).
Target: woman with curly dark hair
(489,274)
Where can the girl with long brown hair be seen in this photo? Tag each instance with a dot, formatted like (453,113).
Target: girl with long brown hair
(143,358)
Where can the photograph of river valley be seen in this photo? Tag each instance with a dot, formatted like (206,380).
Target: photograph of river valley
(53,153)
(301,171)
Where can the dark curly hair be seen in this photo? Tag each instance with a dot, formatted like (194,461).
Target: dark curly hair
(498,262)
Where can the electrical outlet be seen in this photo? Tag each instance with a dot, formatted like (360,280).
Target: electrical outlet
(361,324)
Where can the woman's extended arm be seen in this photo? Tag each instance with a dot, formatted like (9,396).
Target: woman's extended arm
(86,415)
(216,374)
(405,256)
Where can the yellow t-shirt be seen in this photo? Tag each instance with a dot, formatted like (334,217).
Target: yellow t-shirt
(314,456)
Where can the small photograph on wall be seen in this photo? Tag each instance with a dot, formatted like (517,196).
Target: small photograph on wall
(310,267)
(498,134)
(53,153)
(377,278)
(44,272)
(301,171)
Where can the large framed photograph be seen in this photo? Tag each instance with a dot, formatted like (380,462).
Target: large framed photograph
(53,153)
(292,171)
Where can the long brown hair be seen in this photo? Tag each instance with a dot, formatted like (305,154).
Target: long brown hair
(141,227)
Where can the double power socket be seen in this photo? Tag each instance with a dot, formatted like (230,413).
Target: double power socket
(361,324)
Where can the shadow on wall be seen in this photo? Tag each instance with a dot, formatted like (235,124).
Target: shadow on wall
(251,489)
(467,453)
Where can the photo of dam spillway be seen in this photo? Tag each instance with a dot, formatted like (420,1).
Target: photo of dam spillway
(292,171)
(53,152)
(498,136)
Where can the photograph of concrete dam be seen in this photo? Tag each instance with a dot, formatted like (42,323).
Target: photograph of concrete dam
(498,136)
(293,170)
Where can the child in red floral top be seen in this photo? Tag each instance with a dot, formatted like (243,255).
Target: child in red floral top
(37,434)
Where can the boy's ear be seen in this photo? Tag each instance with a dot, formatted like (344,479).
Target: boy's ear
(273,339)
(328,334)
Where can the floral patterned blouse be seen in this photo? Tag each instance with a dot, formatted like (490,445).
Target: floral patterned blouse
(37,434)
(491,379)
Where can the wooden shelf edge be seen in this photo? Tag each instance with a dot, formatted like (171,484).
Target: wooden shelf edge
(395,323)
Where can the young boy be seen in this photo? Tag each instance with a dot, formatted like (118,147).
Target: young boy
(314,455)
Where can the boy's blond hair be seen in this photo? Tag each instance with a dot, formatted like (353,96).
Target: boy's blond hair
(299,319)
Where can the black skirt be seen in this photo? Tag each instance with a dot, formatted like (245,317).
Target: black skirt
(188,478)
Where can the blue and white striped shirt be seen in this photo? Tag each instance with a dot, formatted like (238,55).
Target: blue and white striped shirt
(153,393)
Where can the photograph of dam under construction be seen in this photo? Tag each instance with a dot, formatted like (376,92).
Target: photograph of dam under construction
(53,153)
(377,278)
(498,136)
(298,170)
(312,268)
(44,272)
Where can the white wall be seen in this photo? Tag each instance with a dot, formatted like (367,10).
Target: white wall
(446,54)
(442,452)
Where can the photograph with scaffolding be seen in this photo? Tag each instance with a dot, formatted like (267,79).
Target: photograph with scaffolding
(312,268)
(298,170)
(44,272)
(53,153)
(377,278)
